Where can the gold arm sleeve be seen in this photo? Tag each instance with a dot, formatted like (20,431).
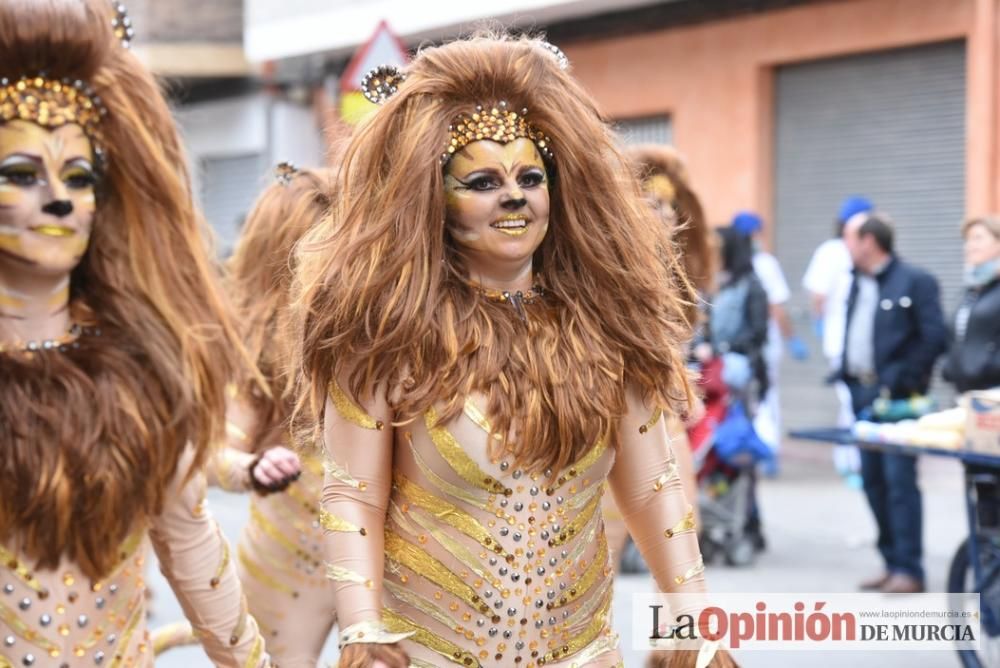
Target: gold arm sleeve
(358,440)
(646,483)
(196,560)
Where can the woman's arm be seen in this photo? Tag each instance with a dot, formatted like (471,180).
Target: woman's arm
(235,468)
(358,440)
(647,485)
(197,562)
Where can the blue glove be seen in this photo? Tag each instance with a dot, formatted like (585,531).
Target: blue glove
(797,349)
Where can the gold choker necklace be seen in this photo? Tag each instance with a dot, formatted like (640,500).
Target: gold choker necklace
(69,340)
(518,299)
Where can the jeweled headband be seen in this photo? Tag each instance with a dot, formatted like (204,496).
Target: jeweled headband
(52,103)
(496,122)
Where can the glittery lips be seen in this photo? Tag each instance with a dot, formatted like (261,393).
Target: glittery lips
(513,224)
(58,231)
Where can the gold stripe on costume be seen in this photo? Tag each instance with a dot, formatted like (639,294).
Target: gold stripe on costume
(258,573)
(447,513)
(597,625)
(349,410)
(586,609)
(453,453)
(224,561)
(449,650)
(575,526)
(341,574)
(581,499)
(472,412)
(241,621)
(589,532)
(258,519)
(414,663)
(258,649)
(581,466)
(169,636)
(426,566)
(341,474)
(657,414)
(589,577)
(462,553)
(20,570)
(126,637)
(600,646)
(4,663)
(420,603)
(331,522)
(454,491)
(18,626)
(673,473)
(312,463)
(697,569)
(686,523)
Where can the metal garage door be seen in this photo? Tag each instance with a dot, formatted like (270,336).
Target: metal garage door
(889,125)
(229,186)
(647,130)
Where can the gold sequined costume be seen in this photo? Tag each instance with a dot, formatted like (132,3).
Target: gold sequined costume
(279,559)
(486,565)
(60,618)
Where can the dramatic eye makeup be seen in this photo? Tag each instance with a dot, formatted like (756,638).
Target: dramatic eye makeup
(528,177)
(79,175)
(20,171)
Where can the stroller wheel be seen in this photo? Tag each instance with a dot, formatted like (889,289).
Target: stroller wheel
(740,552)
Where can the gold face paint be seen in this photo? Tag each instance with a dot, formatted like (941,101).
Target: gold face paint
(47,198)
(497,198)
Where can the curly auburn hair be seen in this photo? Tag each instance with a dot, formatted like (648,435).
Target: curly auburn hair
(693,234)
(91,438)
(384,300)
(259,277)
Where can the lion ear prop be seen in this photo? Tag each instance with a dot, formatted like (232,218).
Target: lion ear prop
(382,83)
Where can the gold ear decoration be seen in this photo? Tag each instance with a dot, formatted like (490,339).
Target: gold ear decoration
(122,24)
(285,172)
(381,83)
(498,124)
(558,53)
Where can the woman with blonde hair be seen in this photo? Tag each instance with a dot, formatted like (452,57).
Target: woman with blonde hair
(115,349)
(280,553)
(973,362)
(667,187)
(491,328)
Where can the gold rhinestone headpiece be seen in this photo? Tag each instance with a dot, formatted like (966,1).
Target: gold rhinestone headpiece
(496,123)
(52,103)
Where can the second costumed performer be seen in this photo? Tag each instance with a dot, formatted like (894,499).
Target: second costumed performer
(491,328)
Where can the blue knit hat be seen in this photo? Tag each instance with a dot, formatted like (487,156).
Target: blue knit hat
(853,205)
(747,222)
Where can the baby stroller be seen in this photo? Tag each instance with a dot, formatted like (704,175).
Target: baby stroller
(726,452)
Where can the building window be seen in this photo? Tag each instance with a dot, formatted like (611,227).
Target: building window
(646,130)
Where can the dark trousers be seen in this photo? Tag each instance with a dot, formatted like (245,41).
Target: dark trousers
(890,483)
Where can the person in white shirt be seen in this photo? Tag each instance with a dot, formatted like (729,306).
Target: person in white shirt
(828,281)
(767,422)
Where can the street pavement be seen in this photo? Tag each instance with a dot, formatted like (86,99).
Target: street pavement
(820,539)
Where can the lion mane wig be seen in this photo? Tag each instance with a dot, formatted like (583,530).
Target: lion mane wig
(90,438)
(384,300)
(259,277)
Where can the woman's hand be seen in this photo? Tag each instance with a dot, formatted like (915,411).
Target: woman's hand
(275,469)
(688,658)
(373,655)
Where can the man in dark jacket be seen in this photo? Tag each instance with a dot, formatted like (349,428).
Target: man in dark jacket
(895,333)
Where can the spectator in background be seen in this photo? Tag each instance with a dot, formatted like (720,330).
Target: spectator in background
(902,304)
(973,363)
(828,280)
(767,423)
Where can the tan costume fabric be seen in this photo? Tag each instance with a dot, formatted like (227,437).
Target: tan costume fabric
(60,618)
(485,564)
